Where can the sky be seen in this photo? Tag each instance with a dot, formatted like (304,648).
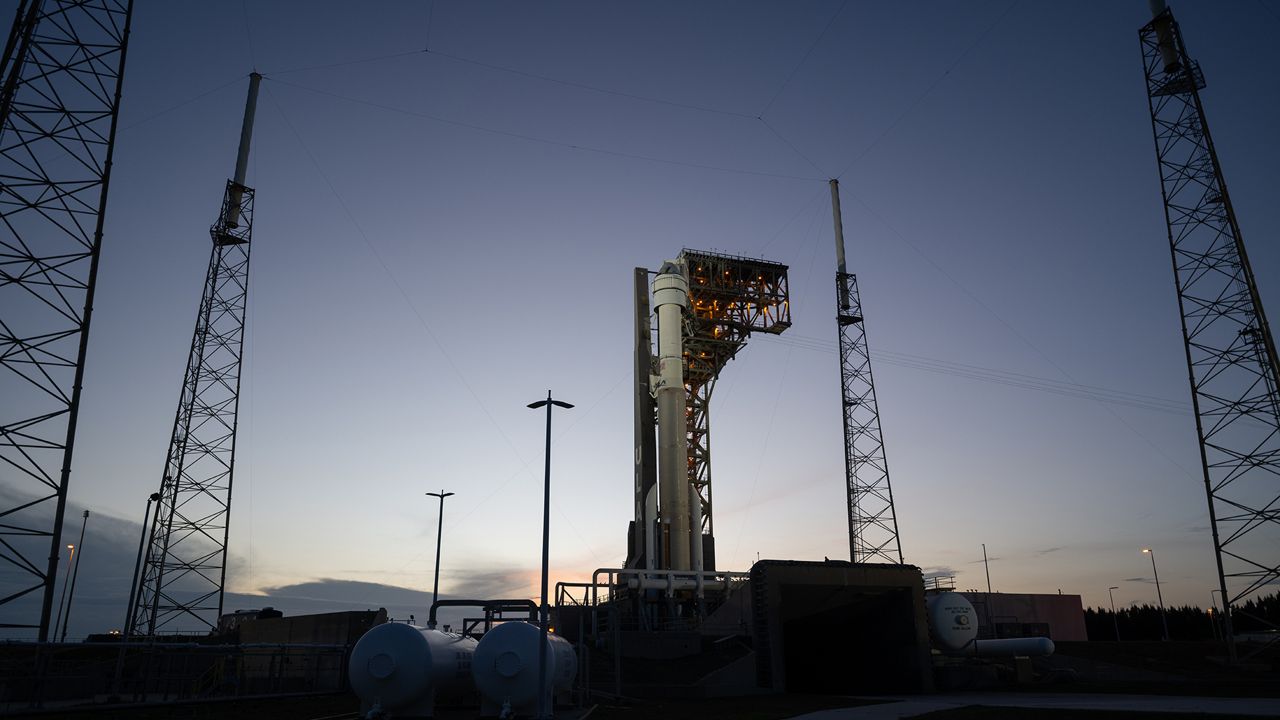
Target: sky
(451,198)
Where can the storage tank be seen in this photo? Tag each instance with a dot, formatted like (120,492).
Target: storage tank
(953,628)
(402,669)
(505,668)
(953,624)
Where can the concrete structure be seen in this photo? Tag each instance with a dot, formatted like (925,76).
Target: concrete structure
(1012,615)
(839,627)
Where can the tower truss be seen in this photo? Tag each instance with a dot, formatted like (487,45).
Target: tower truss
(873,524)
(62,70)
(185,567)
(1231,353)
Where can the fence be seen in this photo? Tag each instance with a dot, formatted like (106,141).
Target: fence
(52,675)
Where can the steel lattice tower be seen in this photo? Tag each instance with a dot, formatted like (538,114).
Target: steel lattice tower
(1231,354)
(185,566)
(62,69)
(873,525)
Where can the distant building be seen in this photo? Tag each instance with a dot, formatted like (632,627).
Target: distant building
(1012,615)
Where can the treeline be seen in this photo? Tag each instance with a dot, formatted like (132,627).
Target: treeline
(1142,622)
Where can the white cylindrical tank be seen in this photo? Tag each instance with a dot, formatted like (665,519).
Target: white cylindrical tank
(1010,647)
(505,666)
(401,668)
(953,624)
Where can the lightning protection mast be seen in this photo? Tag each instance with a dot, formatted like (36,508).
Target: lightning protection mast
(873,525)
(61,73)
(1231,354)
(185,568)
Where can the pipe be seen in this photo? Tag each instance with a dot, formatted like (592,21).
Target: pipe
(672,583)
(671,297)
(523,605)
(695,524)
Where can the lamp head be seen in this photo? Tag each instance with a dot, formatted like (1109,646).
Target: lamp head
(1146,550)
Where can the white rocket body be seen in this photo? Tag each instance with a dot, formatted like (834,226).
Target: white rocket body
(670,298)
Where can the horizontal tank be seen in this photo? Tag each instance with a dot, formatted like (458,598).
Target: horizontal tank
(953,624)
(953,627)
(505,667)
(400,669)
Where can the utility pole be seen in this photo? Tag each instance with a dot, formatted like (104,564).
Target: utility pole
(75,573)
(435,586)
(544,709)
(986,566)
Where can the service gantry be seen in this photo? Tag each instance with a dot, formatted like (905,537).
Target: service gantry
(707,305)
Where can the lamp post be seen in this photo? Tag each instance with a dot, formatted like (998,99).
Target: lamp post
(1164,622)
(1213,610)
(543,710)
(137,566)
(1114,619)
(66,578)
(435,587)
(75,572)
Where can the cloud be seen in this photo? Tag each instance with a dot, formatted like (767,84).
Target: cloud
(334,595)
(1140,580)
(940,571)
(109,553)
(1046,551)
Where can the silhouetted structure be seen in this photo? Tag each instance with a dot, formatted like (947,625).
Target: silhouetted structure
(185,566)
(62,68)
(1231,354)
(873,523)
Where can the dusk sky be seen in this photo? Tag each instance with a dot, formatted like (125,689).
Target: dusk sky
(450,201)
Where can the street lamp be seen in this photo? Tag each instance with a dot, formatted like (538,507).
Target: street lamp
(137,566)
(1114,619)
(1164,622)
(1213,608)
(546,544)
(75,573)
(435,588)
(66,579)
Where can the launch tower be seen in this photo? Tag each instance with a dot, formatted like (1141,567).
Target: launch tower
(1231,353)
(707,305)
(185,566)
(62,69)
